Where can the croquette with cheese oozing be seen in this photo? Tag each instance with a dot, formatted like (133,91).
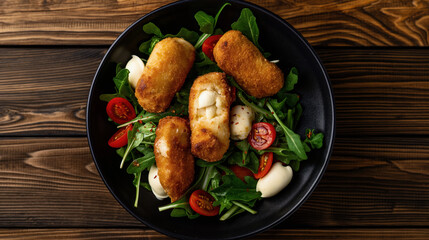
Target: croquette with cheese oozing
(239,57)
(164,74)
(209,105)
(173,156)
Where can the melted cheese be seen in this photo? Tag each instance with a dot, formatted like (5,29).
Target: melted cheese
(162,147)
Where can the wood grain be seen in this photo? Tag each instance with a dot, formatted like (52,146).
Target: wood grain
(297,234)
(323,23)
(44,90)
(369,182)
(377,91)
(53,182)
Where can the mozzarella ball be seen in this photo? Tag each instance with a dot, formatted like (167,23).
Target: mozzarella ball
(277,178)
(154,183)
(135,65)
(241,122)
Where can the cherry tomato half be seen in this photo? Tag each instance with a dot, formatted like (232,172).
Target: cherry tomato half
(202,202)
(120,110)
(241,172)
(265,163)
(120,138)
(209,44)
(262,135)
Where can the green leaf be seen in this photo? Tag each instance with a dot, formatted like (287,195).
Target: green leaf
(235,189)
(151,28)
(246,24)
(293,140)
(289,84)
(107,97)
(121,78)
(219,12)
(281,153)
(244,158)
(205,21)
(141,164)
(291,79)
(315,140)
(147,47)
(186,34)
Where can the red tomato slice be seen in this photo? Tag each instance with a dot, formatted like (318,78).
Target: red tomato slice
(120,138)
(262,135)
(241,172)
(202,202)
(265,163)
(120,110)
(209,44)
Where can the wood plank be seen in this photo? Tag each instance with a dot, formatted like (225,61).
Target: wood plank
(323,23)
(44,90)
(377,91)
(132,233)
(52,182)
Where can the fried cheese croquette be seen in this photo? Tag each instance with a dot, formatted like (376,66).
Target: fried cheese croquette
(164,74)
(173,156)
(209,103)
(239,57)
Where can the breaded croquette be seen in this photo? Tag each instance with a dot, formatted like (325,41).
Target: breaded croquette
(164,74)
(239,57)
(173,156)
(209,103)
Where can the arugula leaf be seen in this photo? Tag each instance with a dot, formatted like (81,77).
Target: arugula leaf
(106,97)
(297,115)
(246,24)
(254,107)
(147,47)
(205,21)
(244,158)
(293,139)
(186,34)
(136,183)
(180,208)
(207,24)
(291,79)
(134,139)
(120,78)
(141,164)
(151,28)
(315,140)
(282,153)
(234,189)
(289,84)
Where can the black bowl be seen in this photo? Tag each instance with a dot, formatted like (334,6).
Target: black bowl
(277,37)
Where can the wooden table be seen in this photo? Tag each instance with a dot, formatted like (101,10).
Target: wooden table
(375,51)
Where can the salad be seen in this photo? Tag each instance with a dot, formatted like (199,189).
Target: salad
(264,150)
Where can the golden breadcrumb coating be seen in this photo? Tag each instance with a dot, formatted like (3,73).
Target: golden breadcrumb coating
(164,74)
(173,156)
(239,57)
(209,105)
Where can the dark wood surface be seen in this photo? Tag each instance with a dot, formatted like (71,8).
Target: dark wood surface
(376,54)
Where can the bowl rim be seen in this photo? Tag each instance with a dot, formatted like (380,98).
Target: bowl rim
(328,144)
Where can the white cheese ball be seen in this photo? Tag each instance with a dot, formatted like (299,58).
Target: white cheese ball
(155,184)
(276,179)
(241,121)
(135,65)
